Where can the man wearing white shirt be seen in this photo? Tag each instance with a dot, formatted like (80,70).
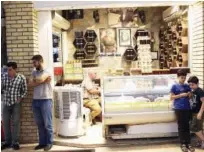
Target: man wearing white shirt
(91,95)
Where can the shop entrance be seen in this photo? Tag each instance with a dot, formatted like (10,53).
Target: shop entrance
(139,40)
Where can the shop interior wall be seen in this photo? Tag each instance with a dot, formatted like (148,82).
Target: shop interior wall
(153,23)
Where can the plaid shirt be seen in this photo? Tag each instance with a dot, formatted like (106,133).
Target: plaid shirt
(13,89)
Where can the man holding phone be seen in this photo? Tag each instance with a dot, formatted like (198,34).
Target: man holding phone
(180,93)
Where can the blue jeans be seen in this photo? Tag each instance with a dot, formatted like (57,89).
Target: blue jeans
(42,110)
(13,113)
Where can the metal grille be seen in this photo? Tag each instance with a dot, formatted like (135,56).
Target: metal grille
(56,97)
(66,105)
(68,98)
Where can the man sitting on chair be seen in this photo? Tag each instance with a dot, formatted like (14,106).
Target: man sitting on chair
(91,95)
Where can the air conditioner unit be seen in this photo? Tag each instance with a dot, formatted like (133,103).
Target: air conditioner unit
(60,22)
(69,111)
(172,13)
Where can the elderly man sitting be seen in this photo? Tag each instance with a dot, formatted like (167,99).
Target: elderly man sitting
(91,95)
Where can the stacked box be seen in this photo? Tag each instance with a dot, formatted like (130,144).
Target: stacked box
(73,70)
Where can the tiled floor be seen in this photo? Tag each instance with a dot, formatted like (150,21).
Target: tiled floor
(30,147)
(147,148)
(94,140)
(93,137)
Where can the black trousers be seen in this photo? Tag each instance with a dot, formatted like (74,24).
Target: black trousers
(183,120)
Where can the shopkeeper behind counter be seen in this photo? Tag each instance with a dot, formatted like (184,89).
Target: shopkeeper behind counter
(91,95)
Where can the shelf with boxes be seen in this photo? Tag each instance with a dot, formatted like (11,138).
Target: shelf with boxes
(73,70)
(143,49)
(174,44)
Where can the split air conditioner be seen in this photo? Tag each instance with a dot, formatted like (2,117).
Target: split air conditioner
(60,22)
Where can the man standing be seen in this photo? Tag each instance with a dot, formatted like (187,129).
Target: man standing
(180,93)
(14,89)
(42,103)
(197,109)
(91,95)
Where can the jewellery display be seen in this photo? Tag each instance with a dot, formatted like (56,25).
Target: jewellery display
(90,49)
(90,36)
(173,46)
(79,43)
(161,61)
(179,42)
(130,54)
(174,37)
(174,53)
(179,27)
(180,60)
(85,45)
(144,51)
(162,47)
(170,61)
(79,54)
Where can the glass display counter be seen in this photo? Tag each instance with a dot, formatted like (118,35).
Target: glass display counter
(139,100)
(129,94)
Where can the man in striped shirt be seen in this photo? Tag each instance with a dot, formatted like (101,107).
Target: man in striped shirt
(14,89)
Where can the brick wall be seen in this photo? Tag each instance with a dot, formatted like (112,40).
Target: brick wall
(22,44)
(198,42)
